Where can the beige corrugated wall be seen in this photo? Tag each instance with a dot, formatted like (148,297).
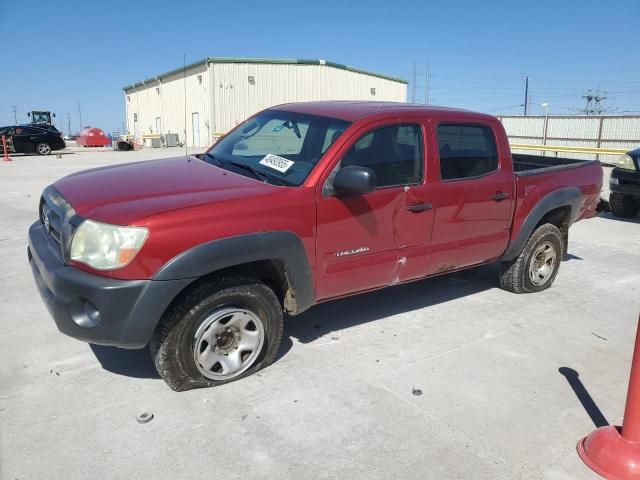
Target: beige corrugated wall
(165,98)
(236,98)
(575,131)
(225,96)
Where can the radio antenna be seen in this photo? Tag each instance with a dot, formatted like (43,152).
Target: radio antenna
(184,81)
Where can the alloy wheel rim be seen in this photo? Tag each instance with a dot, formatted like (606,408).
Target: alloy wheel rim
(227,342)
(44,149)
(542,264)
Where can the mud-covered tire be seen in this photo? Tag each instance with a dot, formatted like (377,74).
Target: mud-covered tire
(172,344)
(623,206)
(515,275)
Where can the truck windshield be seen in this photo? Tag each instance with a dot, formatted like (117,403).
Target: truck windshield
(276,147)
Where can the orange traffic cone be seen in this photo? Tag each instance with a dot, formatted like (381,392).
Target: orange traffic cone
(614,452)
(6,158)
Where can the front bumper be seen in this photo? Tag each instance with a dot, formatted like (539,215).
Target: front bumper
(626,182)
(96,309)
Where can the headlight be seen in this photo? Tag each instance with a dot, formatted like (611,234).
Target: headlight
(626,162)
(105,247)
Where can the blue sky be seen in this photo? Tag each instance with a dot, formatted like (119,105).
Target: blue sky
(57,54)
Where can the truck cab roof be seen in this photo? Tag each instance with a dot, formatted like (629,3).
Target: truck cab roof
(352,111)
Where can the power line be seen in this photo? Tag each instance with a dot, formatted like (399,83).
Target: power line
(499,109)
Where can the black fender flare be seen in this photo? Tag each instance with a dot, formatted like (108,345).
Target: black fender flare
(564,197)
(216,255)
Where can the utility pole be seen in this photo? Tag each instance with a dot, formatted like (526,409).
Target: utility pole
(427,76)
(69,123)
(526,94)
(413,92)
(80,115)
(15,113)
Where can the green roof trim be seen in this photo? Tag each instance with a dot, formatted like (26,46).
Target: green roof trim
(268,61)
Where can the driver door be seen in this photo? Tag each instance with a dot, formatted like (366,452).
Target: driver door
(366,241)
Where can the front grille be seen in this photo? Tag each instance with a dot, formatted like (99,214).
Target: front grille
(55,215)
(52,222)
(624,181)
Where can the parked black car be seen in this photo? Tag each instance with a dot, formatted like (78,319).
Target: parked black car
(30,139)
(625,185)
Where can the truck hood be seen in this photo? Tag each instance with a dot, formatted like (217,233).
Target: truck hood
(124,194)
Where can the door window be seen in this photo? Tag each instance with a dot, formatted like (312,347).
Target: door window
(466,151)
(394,153)
(31,131)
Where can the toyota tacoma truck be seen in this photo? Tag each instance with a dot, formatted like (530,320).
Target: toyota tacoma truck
(200,256)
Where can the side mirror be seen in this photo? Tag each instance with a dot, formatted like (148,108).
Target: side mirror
(355,180)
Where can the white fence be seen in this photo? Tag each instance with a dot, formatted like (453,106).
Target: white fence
(619,131)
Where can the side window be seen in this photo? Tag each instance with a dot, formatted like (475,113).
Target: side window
(466,151)
(395,153)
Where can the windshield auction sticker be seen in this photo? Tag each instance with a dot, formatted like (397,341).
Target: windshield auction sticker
(277,163)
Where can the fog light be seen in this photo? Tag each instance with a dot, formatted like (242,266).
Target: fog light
(84,313)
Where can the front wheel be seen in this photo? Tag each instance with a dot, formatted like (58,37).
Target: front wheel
(43,148)
(623,206)
(536,267)
(218,332)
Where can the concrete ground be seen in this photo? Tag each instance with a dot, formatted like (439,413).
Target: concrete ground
(495,371)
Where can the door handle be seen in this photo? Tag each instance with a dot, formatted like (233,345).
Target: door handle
(499,196)
(419,207)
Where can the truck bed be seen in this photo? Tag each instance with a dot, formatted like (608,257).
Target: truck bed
(537,176)
(524,164)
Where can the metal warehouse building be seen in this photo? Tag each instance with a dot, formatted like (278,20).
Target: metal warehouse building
(221,92)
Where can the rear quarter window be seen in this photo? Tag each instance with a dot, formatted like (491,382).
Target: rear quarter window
(466,151)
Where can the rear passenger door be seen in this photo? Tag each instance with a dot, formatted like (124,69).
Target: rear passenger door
(26,138)
(473,197)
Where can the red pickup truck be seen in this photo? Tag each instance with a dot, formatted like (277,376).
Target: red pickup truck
(199,256)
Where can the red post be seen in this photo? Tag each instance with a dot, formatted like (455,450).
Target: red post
(6,158)
(614,452)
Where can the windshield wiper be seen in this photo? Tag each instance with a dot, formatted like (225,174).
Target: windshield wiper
(216,160)
(256,173)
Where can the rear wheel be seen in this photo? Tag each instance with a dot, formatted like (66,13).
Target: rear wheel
(43,148)
(536,267)
(220,331)
(623,206)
